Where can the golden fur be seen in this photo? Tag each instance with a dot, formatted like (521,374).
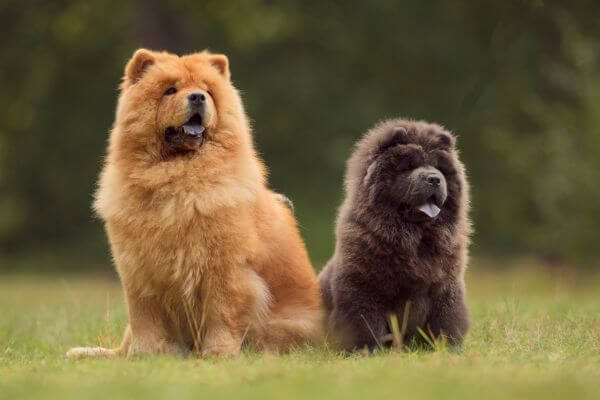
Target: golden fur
(208,257)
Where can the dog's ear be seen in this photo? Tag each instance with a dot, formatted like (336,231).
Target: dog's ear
(139,63)
(397,135)
(221,63)
(400,134)
(445,140)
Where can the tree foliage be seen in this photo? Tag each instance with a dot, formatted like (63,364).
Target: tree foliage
(518,81)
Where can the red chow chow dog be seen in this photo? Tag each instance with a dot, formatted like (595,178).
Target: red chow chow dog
(208,256)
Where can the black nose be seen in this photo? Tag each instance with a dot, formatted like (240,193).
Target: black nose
(197,98)
(433,180)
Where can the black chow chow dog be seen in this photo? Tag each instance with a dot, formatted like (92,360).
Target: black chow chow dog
(402,239)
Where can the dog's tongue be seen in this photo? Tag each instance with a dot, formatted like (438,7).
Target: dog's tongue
(430,209)
(193,129)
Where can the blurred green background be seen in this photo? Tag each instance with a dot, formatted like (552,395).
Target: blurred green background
(518,81)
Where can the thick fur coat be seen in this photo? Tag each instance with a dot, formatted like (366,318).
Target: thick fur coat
(402,237)
(208,256)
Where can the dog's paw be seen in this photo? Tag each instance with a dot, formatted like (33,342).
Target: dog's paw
(151,346)
(285,200)
(220,352)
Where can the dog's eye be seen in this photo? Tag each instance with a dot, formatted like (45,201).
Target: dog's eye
(170,91)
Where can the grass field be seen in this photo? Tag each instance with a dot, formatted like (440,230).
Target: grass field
(535,335)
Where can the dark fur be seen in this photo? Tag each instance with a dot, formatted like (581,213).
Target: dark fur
(384,257)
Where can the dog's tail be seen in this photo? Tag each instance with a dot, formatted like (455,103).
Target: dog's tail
(102,352)
(291,329)
(92,352)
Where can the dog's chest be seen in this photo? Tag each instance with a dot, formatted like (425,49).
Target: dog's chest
(173,246)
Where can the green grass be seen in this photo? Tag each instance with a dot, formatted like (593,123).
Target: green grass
(535,335)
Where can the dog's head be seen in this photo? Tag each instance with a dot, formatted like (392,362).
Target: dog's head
(171,105)
(409,167)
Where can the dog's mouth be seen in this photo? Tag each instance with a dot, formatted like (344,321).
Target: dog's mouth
(430,208)
(188,136)
(194,128)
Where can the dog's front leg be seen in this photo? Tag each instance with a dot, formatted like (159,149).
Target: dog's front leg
(148,333)
(220,340)
(231,309)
